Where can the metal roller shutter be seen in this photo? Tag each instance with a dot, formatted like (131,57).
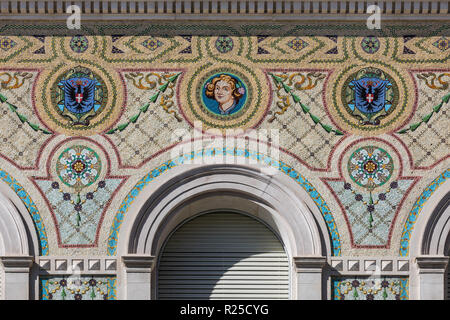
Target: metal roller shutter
(223,256)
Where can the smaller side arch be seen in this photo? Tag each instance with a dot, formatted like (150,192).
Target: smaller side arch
(436,237)
(18,244)
(430,243)
(13,235)
(27,212)
(430,235)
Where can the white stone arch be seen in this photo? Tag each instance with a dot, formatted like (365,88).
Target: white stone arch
(185,191)
(13,234)
(430,235)
(436,235)
(430,246)
(18,244)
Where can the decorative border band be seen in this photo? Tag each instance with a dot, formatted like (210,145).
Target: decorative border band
(369,266)
(337,282)
(302,181)
(87,265)
(414,214)
(46,294)
(32,209)
(224,9)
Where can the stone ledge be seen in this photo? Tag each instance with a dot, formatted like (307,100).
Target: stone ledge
(17,264)
(383,265)
(432,264)
(138,263)
(84,264)
(309,263)
(223,10)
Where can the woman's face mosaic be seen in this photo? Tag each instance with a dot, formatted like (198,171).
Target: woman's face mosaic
(223,92)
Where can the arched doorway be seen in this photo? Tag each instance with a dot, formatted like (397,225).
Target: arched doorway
(180,195)
(223,255)
(430,247)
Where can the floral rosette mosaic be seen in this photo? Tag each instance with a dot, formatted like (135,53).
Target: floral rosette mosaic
(78,167)
(370,167)
(79,44)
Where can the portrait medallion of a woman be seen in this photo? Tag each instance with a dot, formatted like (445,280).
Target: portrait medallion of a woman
(225,94)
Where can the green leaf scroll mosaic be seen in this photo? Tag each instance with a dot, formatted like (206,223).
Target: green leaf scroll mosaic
(144,108)
(21,117)
(412,127)
(305,108)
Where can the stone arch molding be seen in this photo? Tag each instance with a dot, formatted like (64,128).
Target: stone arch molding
(13,235)
(436,236)
(189,190)
(431,233)
(18,245)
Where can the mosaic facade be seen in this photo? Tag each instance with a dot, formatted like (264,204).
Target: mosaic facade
(90,119)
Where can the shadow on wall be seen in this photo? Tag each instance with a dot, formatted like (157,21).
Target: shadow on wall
(223,256)
(217,28)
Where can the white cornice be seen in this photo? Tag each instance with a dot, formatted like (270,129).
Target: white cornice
(262,10)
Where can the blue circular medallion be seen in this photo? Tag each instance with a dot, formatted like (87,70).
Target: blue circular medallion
(224,94)
(79,95)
